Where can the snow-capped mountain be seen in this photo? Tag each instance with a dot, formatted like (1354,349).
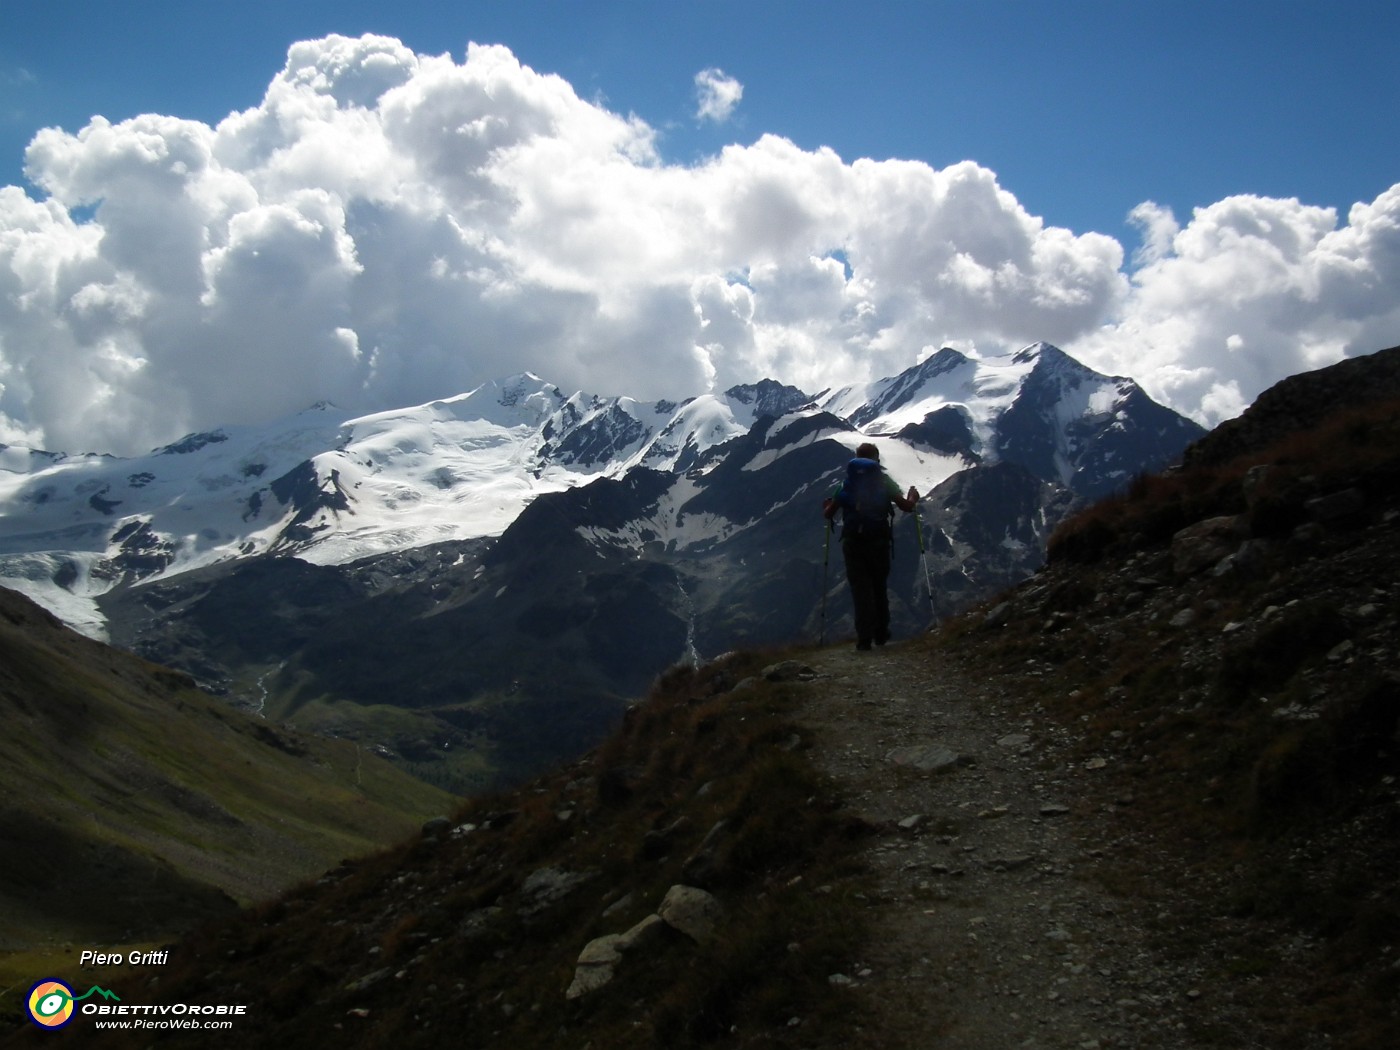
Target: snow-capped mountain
(502,569)
(332,490)
(329,489)
(1039,407)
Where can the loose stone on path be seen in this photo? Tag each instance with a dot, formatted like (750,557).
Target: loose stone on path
(927,758)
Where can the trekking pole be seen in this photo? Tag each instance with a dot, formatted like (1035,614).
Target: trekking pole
(923,555)
(826,557)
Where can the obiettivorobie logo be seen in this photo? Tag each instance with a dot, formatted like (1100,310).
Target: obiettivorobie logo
(51,1002)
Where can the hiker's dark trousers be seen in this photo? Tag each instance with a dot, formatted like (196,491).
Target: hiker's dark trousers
(867,570)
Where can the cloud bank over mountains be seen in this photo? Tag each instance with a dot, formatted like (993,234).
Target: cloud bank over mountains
(386,228)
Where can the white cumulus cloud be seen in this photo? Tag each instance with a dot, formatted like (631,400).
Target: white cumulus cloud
(1251,290)
(1159,229)
(383,228)
(717,95)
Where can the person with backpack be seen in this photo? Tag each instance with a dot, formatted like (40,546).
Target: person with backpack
(866,500)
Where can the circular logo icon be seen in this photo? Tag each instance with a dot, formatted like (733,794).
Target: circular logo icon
(51,1003)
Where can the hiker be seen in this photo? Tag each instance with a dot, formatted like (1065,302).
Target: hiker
(867,499)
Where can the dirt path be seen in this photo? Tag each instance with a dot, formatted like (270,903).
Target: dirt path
(995,924)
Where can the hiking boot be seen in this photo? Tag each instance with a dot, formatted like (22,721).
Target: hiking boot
(863,647)
(881,637)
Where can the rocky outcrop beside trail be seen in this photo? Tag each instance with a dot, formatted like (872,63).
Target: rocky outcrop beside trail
(687,910)
(1300,402)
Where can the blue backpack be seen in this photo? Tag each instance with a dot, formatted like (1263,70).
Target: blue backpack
(865,504)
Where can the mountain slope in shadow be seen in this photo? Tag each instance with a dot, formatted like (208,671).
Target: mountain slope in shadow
(131,804)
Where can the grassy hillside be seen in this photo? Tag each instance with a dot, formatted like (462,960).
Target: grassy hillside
(475,930)
(131,805)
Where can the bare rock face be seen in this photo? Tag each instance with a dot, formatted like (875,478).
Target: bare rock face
(692,911)
(598,962)
(1299,402)
(1204,544)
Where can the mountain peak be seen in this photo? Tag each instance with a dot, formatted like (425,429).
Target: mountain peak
(768,397)
(191,443)
(941,361)
(516,388)
(1049,362)
(527,398)
(1040,352)
(1047,355)
(914,386)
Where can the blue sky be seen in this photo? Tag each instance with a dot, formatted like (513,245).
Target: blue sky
(1080,110)
(1084,108)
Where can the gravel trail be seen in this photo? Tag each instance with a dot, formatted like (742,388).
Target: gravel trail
(996,926)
